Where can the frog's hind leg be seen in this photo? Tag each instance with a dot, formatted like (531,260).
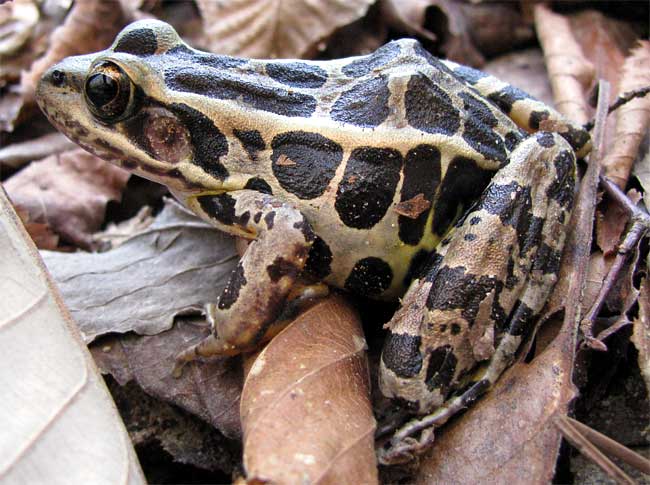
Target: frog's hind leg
(491,278)
(526,111)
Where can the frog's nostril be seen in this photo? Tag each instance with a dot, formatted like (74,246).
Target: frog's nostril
(57,77)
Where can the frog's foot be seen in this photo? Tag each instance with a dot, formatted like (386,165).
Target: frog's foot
(416,436)
(208,347)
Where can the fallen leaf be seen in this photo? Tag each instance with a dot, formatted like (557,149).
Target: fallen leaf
(440,21)
(90,26)
(464,32)
(570,72)
(633,118)
(175,266)
(413,207)
(68,192)
(524,69)
(40,233)
(642,173)
(17,21)
(18,154)
(277,28)
(305,406)
(641,333)
(152,422)
(59,423)
(209,390)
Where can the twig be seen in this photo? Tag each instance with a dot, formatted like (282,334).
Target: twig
(589,450)
(611,447)
(621,100)
(639,228)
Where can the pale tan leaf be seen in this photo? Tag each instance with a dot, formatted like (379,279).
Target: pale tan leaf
(274,28)
(18,154)
(524,69)
(90,26)
(17,22)
(175,266)
(60,425)
(642,173)
(68,192)
(305,408)
(570,72)
(633,118)
(641,333)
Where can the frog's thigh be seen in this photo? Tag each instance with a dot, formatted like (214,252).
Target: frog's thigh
(259,285)
(492,276)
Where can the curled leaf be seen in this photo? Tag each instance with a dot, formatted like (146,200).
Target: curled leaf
(570,72)
(305,406)
(277,28)
(633,118)
(68,192)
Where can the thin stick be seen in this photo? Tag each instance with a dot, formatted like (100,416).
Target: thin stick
(584,446)
(611,447)
(639,228)
(620,101)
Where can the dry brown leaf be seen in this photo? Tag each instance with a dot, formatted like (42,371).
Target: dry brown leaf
(175,266)
(642,173)
(18,154)
(305,407)
(633,118)
(571,74)
(40,233)
(90,26)
(209,390)
(68,192)
(59,424)
(277,28)
(464,31)
(451,27)
(641,333)
(610,224)
(524,69)
(153,423)
(17,22)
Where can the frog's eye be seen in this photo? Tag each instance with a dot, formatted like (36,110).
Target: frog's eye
(109,92)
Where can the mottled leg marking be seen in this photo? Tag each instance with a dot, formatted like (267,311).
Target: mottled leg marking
(258,288)
(490,281)
(526,111)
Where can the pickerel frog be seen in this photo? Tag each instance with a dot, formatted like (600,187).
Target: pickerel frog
(390,175)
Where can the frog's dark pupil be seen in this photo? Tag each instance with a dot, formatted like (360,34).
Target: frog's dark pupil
(101,89)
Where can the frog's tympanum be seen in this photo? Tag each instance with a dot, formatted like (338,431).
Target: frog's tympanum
(390,175)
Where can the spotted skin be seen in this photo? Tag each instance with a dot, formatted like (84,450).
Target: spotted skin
(246,309)
(375,174)
(515,230)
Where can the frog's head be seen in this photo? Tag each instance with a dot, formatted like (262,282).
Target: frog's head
(118,104)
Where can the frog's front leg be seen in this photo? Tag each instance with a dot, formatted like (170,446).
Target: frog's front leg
(256,292)
(462,323)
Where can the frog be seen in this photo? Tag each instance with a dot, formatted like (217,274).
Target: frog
(393,175)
